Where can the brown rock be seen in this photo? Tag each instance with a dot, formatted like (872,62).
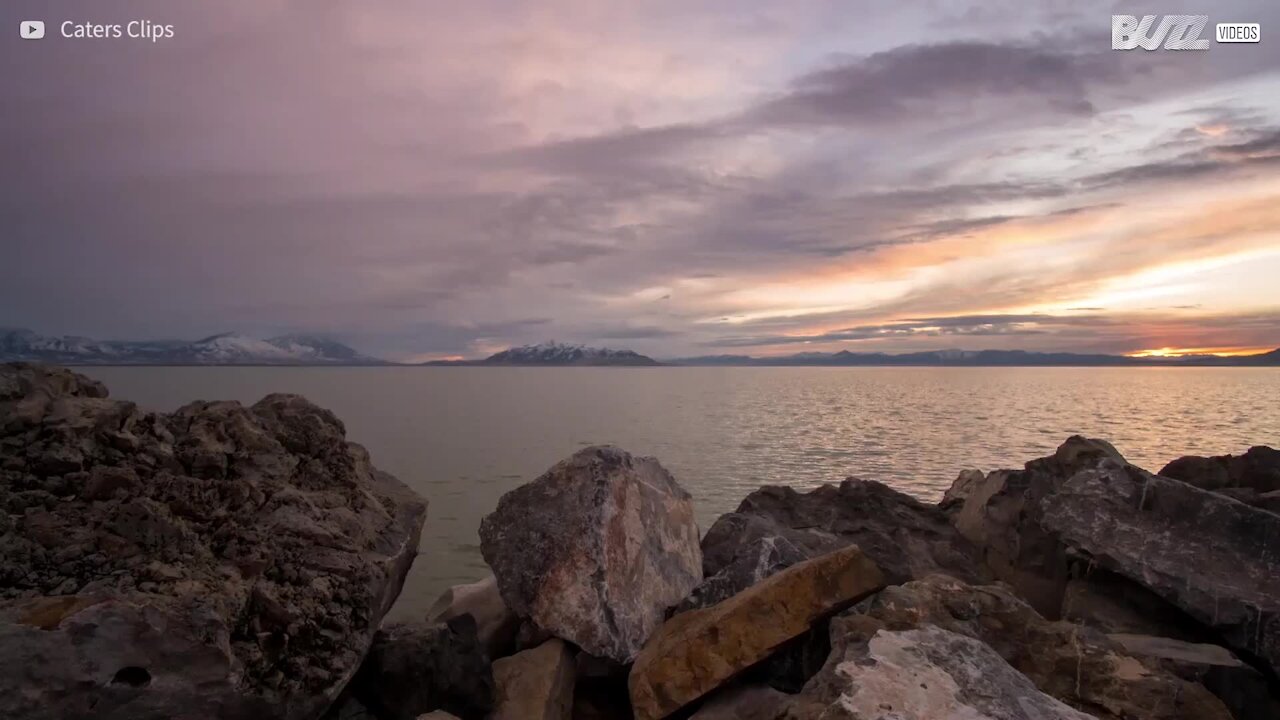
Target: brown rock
(695,652)
(220,561)
(496,625)
(535,684)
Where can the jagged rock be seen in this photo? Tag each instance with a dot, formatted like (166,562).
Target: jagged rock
(495,623)
(776,527)
(1216,559)
(965,484)
(1257,469)
(695,652)
(1000,513)
(1077,665)
(535,684)
(1242,689)
(412,669)
(595,550)
(925,673)
(743,702)
(220,561)
(1252,478)
(751,561)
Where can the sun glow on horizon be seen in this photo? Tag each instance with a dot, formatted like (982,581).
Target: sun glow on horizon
(1170,352)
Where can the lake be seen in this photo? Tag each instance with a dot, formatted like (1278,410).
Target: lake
(463,436)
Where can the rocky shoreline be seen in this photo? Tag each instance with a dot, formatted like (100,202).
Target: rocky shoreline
(224,561)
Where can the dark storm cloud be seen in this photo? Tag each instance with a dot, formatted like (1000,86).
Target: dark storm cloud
(906,81)
(1262,150)
(633,333)
(969,325)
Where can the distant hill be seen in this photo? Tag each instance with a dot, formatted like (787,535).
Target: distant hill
(981,358)
(558,354)
(223,349)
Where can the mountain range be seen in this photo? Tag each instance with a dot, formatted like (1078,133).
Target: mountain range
(223,349)
(558,354)
(239,349)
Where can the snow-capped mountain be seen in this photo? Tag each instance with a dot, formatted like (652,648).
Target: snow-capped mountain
(553,353)
(223,349)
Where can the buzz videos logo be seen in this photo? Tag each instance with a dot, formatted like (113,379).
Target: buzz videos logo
(1176,32)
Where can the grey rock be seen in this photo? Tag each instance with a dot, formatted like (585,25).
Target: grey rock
(1244,691)
(1077,665)
(760,556)
(416,668)
(776,527)
(220,561)
(1000,513)
(595,550)
(924,673)
(1257,469)
(1113,603)
(1216,559)
(743,702)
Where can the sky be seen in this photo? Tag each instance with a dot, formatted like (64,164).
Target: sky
(428,179)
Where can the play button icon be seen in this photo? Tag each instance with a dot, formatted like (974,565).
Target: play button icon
(31,29)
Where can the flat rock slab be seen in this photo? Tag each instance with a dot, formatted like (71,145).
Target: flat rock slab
(1215,558)
(595,550)
(924,674)
(535,684)
(697,651)
(220,561)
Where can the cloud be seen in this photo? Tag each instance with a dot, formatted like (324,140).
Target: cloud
(425,183)
(914,82)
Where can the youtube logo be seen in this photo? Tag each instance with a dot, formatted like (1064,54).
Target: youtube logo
(31,29)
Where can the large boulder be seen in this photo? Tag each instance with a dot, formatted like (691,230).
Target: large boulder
(776,527)
(1000,514)
(926,673)
(1216,559)
(1253,477)
(595,550)
(219,561)
(698,651)
(1245,691)
(535,684)
(414,668)
(920,674)
(1077,665)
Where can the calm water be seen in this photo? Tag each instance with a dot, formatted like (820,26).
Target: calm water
(463,436)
